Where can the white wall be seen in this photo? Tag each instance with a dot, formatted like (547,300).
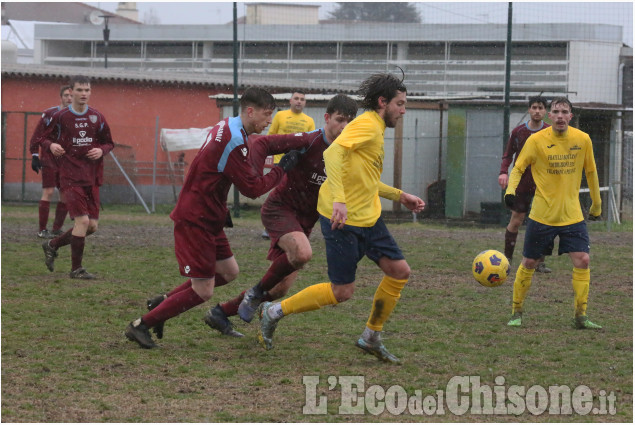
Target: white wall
(593,68)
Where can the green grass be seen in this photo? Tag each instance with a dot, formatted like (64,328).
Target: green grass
(65,359)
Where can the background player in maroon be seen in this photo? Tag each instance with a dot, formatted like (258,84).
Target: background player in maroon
(46,162)
(79,137)
(526,188)
(288,214)
(201,247)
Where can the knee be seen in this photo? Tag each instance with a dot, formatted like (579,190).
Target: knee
(402,272)
(583,261)
(204,288)
(92,228)
(300,258)
(231,275)
(343,292)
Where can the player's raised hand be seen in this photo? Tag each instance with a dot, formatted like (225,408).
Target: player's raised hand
(413,203)
(339,216)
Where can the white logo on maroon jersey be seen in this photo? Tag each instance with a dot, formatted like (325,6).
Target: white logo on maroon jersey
(82,133)
(93,118)
(187,269)
(244,151)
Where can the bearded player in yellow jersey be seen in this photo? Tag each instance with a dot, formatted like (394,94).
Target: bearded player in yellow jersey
(557,156)
(350,210)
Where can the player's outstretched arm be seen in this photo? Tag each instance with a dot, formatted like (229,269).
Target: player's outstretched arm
(249,181)
(412,202)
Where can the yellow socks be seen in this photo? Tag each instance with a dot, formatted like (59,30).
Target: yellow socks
(309,299)
(521,287)
(580,280)
(386,297)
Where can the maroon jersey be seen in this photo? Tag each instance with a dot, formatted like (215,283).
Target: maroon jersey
(46,157)
(515,144)
(78,133)
(299,188)
(221,161)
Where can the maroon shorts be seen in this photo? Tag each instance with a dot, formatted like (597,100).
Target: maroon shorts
(197,250)
(82,200)
(50,177)
(279,220)
(522,203)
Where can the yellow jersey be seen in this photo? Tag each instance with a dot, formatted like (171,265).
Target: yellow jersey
(354,163)
(556,164)
(288,122)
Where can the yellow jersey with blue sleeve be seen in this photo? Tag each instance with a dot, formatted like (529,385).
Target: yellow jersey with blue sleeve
(354,163)
(556,164)
(288,122)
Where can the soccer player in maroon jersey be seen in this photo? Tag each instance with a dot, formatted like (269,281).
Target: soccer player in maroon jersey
(78,137)
(288,214)
(201,247)
(527,187)
(50,173)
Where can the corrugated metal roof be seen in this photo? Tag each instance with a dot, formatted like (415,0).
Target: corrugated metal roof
(157,77)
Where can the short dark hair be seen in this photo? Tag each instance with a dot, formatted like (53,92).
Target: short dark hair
(342,104)
(78,79)
(301,91)
(537,99)
(379,85)
(562,99)
(257,97)
(64,88)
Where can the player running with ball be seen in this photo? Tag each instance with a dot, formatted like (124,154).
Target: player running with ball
(350,210)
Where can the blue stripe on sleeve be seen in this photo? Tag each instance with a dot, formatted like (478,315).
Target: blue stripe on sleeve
(237,139)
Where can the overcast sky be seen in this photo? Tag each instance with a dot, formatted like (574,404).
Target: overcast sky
(615,13)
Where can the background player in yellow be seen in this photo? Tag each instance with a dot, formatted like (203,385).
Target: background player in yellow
(290,121)
(350,218)
(557,156)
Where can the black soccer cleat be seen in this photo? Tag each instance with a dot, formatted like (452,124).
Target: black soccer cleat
(153,303)
(216,318)
(138,331)
(50,254)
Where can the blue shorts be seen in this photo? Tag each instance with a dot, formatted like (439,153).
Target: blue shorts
(346,247)
(539,238)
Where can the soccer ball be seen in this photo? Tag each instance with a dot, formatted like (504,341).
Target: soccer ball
(490,268)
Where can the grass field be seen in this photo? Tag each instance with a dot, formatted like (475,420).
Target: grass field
(65,358)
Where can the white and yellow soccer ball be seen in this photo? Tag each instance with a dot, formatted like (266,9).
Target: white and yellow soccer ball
(490,268)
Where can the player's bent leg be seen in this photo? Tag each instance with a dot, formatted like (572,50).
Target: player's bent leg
(139,329)
(297,252)
(384,301)
(282,288)
(297,247)
(522,283)
(311,298)
(228,269)
(153,303)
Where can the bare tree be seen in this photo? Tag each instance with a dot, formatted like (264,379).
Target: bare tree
(150,17)
(377,12)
